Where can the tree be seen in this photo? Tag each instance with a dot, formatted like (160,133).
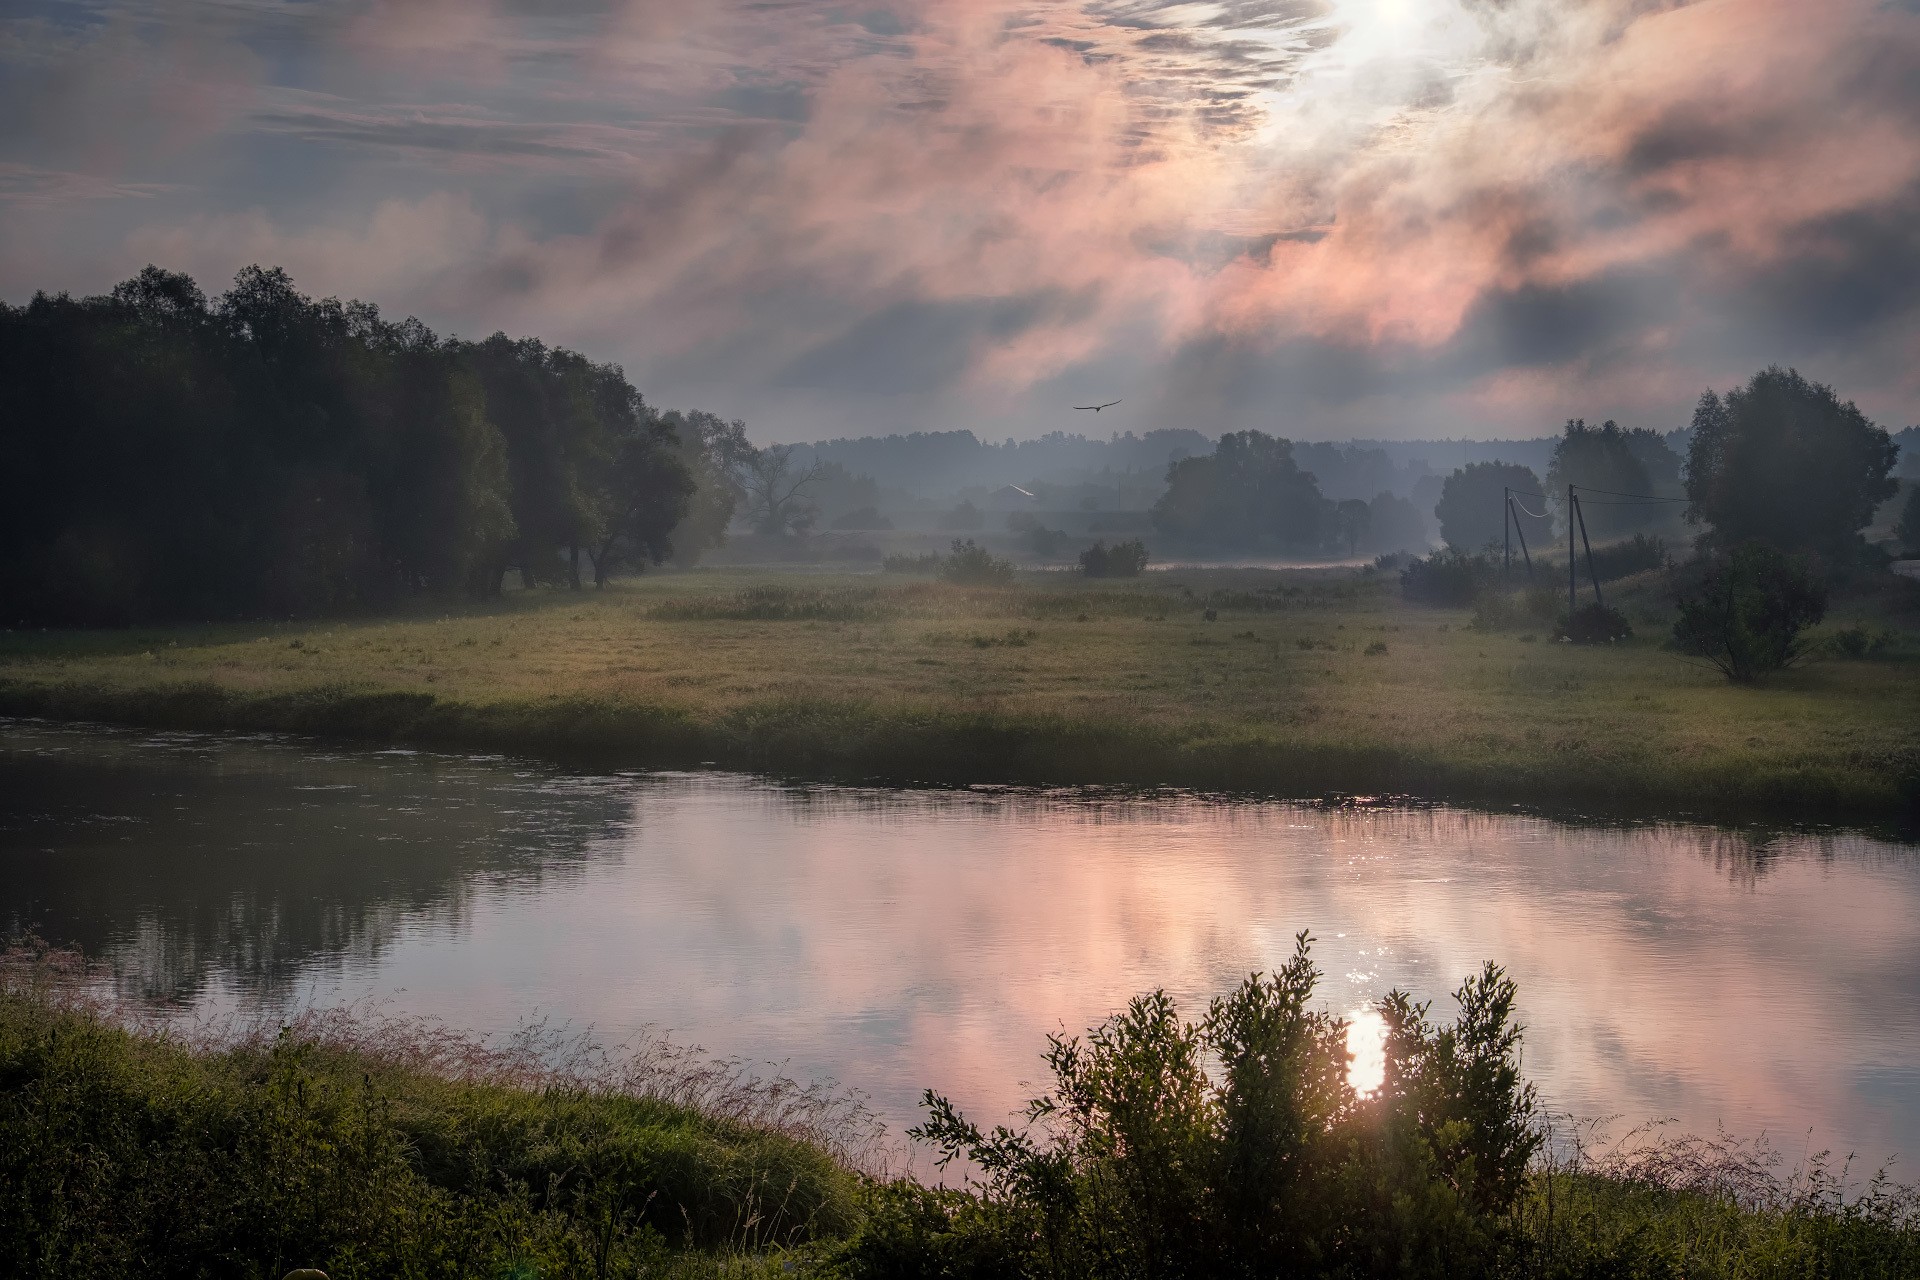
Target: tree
(646,492)
(1248,493)
(1470,505)
(1786,460)
(715,453)
(1121,560)
(1747,614)
(266,453)
(1351,519)
(1395,524)
(1908,529)
(779,494)
(1609,459)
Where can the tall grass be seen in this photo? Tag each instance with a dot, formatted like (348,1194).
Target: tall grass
(373,1146)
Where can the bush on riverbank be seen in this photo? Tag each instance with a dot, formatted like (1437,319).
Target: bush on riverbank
(1236,1146)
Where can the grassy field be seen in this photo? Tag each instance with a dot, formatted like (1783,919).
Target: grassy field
(1306,682)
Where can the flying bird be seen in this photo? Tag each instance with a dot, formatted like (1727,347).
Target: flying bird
(1097,407)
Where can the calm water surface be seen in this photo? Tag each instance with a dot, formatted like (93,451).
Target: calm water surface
(895,940)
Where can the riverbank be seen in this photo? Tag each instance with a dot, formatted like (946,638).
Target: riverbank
(1302,683)
(368,1147)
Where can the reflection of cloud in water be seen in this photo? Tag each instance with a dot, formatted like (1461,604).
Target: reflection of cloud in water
(903,940)
(934,940)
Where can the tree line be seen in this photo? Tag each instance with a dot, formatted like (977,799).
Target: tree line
(263,453)
(1782,459)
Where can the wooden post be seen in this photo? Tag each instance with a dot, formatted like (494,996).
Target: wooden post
(1572,581)
(1506,538)
(1591,571)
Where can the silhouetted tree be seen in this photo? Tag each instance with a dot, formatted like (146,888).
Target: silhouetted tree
(1470,506)
(262,452)
(1606,458)
(1787,461)
(1248,493)
(779,492)
(1395,524)
(1351,519)
(1908,528)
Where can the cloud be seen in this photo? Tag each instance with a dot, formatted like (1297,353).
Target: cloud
(1386,215)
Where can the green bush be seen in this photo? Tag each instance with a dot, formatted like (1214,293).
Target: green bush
(1448,577)
(1235,1146)
(902,563)
(1749,610)
(1121,560)
(1593,624)
(975,566)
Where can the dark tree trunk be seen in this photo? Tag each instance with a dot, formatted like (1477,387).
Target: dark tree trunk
(573,565)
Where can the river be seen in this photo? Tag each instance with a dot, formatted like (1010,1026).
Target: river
(895,940)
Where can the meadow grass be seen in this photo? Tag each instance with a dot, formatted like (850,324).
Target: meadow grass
(373,1146)
(1304,682)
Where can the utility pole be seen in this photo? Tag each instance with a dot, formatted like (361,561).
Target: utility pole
(1571,580)
(1506,538)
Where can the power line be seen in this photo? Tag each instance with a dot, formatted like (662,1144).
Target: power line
(1611,494)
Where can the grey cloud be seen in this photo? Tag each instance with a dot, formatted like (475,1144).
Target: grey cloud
(917,346)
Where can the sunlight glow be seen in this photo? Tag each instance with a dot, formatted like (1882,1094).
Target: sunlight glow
(1366,1050)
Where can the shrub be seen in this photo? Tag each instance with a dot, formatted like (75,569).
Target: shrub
(1861,642)
(1747,616)
(900,562)
(975,566)
(1448,577)
(1511,610)
(1624,559)
(1121,560)
(1593,624)
(1236,1146)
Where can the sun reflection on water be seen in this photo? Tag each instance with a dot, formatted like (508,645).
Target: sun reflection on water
(1366,1050)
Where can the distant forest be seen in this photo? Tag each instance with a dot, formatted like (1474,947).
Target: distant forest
(265,454)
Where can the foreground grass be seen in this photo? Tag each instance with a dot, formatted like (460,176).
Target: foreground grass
(1307,682)
(370,1149)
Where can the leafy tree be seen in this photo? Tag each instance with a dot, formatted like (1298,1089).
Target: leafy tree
(1787,461)
(1248,493)
(268,453)
(1351,519)
(1614,461)
(1395,524)
(715,453)
(1748,612)
(647,490)
(1908,528)
(1470,504)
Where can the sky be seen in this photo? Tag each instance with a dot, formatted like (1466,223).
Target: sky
(1323,218)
